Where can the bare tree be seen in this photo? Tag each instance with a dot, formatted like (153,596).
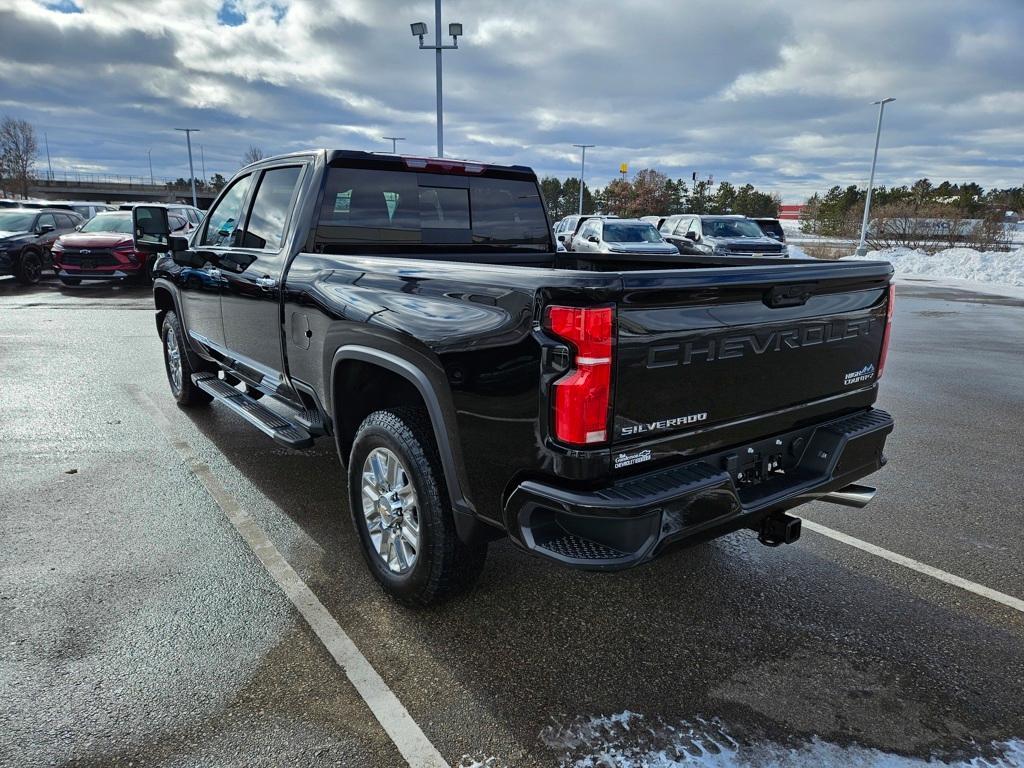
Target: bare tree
(252,155)
(18,150)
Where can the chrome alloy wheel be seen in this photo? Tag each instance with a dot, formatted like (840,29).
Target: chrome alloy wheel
(173,359)
(390,511)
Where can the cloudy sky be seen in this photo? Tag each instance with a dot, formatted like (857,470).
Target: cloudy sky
(775,92)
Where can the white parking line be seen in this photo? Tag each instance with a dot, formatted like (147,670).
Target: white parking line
(406,734)
(916,565)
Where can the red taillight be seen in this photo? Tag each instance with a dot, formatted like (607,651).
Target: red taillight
(583,396)
(888,328)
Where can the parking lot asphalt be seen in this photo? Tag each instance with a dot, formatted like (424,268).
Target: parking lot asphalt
(139,628)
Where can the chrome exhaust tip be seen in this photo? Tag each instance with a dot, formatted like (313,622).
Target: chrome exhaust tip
(852,495)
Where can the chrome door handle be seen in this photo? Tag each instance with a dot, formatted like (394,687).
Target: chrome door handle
(213,272)
(266,282)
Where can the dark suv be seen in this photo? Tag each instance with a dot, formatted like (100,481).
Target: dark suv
(719,236)
(26,237)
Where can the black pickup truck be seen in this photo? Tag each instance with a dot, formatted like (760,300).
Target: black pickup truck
(595,408)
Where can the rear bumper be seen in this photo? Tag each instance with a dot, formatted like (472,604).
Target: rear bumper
(635,519)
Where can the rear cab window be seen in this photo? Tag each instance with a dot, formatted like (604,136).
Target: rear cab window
(408,211)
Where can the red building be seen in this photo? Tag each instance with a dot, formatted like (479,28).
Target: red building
(790,211)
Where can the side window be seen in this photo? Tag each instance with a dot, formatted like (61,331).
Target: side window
(694,225)
(269,214)
(681,224)
(46,218)
(668,225)
(224,218)
(64,221)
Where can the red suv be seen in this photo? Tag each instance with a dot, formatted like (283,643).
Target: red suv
(104,249)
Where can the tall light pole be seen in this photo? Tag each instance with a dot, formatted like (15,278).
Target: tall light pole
(202,162)
(49,165)
(419,29)
(149,154)
(583,165)
(393,140)
(862,249)
(191,173)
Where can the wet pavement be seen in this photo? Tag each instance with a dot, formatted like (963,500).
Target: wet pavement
(139,628)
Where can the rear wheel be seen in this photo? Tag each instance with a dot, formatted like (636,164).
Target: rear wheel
(178,362)
(30,268)
(401,511)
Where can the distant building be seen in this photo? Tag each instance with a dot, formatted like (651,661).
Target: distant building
(790,211)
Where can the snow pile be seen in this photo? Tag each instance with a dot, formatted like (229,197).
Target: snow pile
(630,740)
(1006,268)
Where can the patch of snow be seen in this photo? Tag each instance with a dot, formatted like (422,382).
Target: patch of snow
(1005,267)
(630,740)
(796,252)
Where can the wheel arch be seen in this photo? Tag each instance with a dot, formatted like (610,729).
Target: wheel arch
(364,379)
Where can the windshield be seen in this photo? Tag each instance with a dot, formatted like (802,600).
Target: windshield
(731,228)
(631,233)
(16,222)
(109,222)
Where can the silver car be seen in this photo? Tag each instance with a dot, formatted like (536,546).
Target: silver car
(621,236)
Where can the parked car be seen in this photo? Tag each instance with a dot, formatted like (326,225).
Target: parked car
(720,236)
(621,236)
(85,208)
(26,237)
(104,249)
(566,228)
(414,312)
(655,221)
(771,227)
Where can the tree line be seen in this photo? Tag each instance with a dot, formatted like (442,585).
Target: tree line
(651,192)
(945,214)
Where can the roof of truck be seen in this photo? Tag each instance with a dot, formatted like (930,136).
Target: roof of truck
(355,159)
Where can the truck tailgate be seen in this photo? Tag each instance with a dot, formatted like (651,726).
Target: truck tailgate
(700,348)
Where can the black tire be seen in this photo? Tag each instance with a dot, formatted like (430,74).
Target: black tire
(444,565)
(70,281)
(30,268)
(184,391)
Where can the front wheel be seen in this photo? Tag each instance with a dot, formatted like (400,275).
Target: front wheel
(30,268)
(401,511)
(178,364)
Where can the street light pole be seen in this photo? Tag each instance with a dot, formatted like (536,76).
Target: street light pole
(202,162)
(419,29)
(393,140)
(862,248)
(149,154)
(583,165)
(192,174)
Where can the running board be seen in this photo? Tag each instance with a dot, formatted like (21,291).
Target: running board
(273,425)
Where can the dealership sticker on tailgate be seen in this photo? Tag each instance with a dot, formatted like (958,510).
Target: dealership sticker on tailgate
(629,459)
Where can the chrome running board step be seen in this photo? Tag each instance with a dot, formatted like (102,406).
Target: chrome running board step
(285,432)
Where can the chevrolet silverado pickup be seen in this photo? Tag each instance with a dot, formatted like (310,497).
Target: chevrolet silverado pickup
(597,409)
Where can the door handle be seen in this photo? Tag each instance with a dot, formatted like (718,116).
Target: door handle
(213,272)
(266,282)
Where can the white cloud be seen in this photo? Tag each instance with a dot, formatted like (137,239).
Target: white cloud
(776,92)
